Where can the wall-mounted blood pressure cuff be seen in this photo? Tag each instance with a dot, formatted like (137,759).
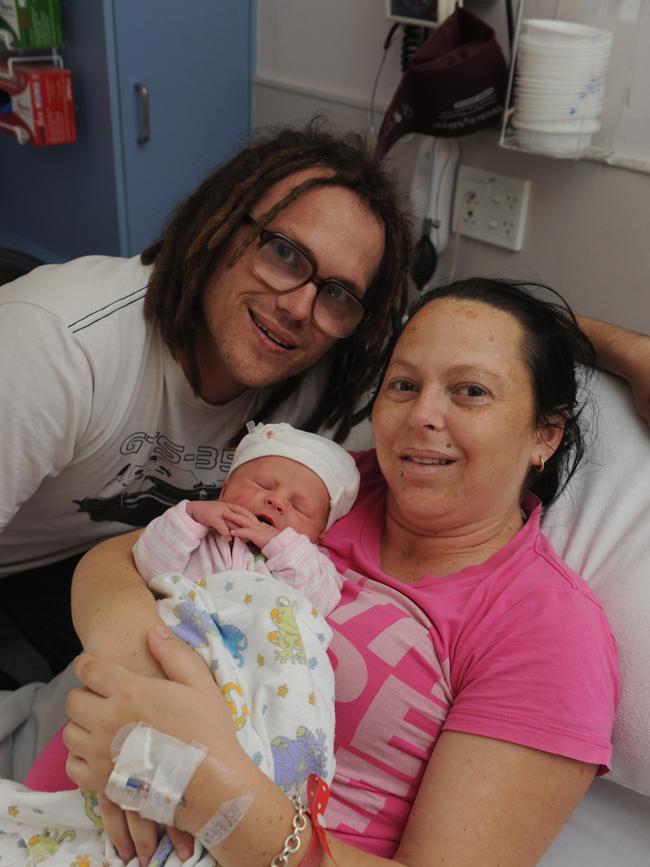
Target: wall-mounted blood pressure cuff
(455,83)
(151,771)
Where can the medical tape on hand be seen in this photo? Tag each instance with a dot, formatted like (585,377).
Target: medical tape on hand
(224,821)
(151,771)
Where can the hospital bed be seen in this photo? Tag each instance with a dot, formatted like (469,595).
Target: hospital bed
(601,526)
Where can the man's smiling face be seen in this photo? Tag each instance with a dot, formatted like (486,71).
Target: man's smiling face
(253,336)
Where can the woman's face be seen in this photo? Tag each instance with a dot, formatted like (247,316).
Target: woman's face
(454,419)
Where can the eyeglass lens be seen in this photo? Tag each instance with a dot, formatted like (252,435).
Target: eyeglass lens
(284,267)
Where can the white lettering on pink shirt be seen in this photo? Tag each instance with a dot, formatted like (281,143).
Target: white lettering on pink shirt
(395,700)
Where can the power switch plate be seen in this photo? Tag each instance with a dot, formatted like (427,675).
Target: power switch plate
(491,207)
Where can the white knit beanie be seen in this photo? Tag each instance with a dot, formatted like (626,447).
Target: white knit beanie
(331,463)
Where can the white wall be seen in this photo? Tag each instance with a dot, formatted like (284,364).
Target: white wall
(588,231)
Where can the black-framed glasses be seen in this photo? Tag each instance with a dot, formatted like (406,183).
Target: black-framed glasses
(284,266)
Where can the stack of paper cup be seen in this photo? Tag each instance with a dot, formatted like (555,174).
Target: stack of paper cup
(559,85)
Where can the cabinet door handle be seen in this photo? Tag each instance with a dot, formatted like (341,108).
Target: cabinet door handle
(142,92)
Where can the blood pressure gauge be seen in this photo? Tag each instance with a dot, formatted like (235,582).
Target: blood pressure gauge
(422,13)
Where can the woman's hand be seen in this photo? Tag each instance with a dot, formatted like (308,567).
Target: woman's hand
(132,835)
(189,706)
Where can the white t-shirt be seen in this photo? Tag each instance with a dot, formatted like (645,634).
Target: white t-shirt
(99,427)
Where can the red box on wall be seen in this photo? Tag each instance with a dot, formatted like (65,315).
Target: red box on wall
(41,105)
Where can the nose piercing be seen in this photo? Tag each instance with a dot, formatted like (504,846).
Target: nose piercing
(448,446)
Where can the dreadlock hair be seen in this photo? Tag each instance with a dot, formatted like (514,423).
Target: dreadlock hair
(559,357)
(199,234)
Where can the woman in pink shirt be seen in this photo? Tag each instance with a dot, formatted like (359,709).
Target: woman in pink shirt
(476,676)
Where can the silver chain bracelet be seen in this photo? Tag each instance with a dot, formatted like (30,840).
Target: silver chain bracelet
(293,841)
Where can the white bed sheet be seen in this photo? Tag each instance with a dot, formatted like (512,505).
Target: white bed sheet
(609,828)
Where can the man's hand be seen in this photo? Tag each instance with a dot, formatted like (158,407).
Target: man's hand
(232,521)
(624,353)
(639,379)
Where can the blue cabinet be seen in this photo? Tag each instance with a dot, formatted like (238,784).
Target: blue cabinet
(111,191)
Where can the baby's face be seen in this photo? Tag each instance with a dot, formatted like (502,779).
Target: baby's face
(282,493)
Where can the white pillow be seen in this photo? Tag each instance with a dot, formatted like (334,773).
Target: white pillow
(601,527)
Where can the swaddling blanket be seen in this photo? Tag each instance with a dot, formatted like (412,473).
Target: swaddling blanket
(266,646)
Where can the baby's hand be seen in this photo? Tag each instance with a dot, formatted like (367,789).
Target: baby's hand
(222,517)
(255,531)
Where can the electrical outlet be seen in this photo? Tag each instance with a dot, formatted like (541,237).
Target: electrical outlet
(491,207)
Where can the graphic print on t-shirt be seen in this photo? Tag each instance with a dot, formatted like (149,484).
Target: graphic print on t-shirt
(157,474)
(392,698)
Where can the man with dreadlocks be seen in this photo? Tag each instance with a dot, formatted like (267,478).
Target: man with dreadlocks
(271,295)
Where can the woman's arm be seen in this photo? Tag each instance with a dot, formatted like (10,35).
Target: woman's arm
(489,802)
(112,608)
(624,353)
(481,801)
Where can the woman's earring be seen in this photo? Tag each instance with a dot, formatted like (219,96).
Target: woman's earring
(540,466)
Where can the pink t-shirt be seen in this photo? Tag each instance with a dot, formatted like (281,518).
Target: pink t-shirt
(517,649)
